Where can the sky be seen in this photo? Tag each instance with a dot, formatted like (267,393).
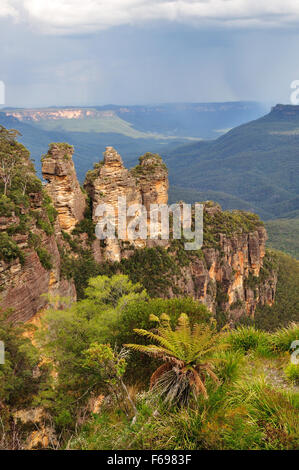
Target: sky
(95,52)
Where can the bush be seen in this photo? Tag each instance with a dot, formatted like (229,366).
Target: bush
(45,226)
(80,269)
(282,339)
(292,373)
(229,365)
(45,258)
(247,338)
(6,206)
(138,313)
(18,385)
(245,416)
(9,250)
(286,306)
(67,335)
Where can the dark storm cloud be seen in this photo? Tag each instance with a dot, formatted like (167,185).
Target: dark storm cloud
(136,51)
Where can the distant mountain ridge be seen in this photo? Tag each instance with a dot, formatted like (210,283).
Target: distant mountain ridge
(257,163)
(88,145)
(193,120)
(132,130)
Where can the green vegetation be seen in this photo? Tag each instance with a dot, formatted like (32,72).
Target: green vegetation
(286,306)
(182,351)
(20,187)
(229,223)
(93,174)
(44,257)
(249,410)
(86,225)
(7,206)
(147,164)
(97,393)
(17,384)
(68,149)
(22,377)
(246,163)
(152,267)
(9,250)
(292,373)
(283,235)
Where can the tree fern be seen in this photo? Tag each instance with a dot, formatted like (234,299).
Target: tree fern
(185,352)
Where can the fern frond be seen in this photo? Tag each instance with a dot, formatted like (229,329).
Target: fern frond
(159,372)
(173,338)
(151,350)
(184,334)
(208,369)
(196,381)
(183,320)
(165,320)
(153,318)
(159,339)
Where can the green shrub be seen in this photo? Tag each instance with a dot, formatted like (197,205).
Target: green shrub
(229,364)
(282,338)
(80,269)
(9,250)
(286,306)
(19,199)
(6,206)
(153,267)
(34,240)
(247,338)
(45,226)
(44,257)
(18,385)
(292,373)
(138,313)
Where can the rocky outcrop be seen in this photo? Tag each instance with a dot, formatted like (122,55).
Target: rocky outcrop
(38,426)
(25,281)
(63,187)
(152,180)
(109,180)
(231,273)
(225,276)
(145,184)
(231,276)
(24,288)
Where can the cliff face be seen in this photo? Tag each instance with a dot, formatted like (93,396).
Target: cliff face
(145,184)
(225,275)
(229,274)
(55,114)
(25,280)
(63,187)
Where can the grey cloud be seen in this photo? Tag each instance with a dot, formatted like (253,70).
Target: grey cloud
(77,16)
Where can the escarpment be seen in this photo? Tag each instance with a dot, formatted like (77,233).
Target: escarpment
(30,264)
(231,273)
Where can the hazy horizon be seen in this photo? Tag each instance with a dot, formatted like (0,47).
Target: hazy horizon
(153,104)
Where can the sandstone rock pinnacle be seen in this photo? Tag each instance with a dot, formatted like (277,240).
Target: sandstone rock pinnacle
(63,187)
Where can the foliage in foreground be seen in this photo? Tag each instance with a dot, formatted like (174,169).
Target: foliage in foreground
(286,306)
(246,412)
(244,415)
(186,355)
(97,395)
